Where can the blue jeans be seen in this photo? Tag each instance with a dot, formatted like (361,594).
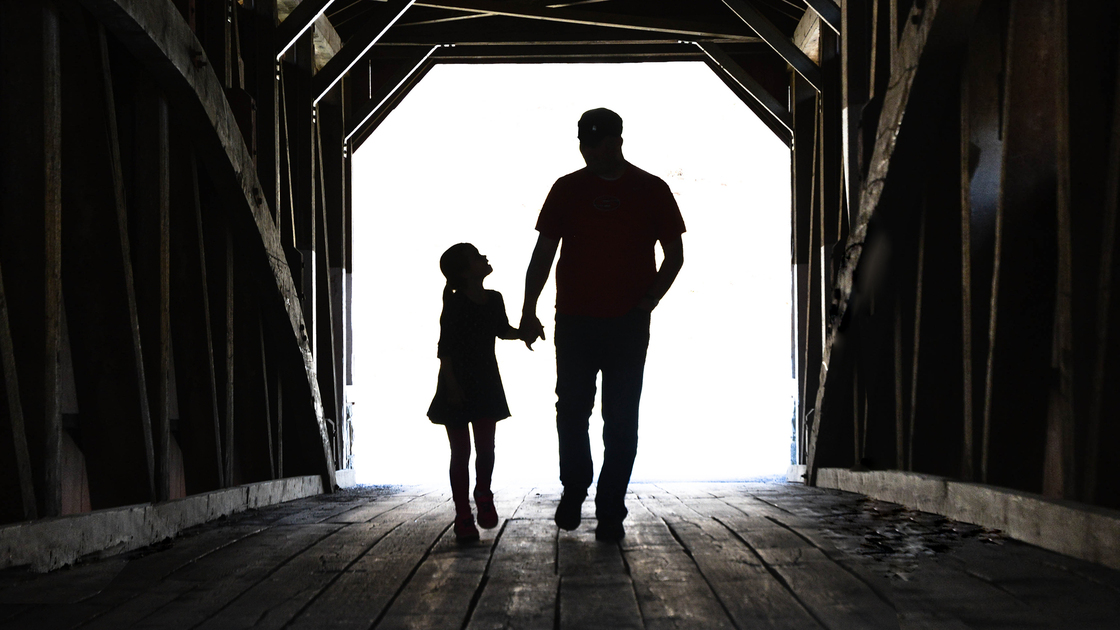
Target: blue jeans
(585,346)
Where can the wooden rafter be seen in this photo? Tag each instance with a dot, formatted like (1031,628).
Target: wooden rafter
(357,47)
(774,114)
(829,12)
(367,112)
(778,41)
(390,102)
(298,22)
(678,28)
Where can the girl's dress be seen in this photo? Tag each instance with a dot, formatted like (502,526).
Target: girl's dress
(467,334)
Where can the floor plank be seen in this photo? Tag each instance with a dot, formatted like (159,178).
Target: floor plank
(747,589)
(720,556)
(363,590)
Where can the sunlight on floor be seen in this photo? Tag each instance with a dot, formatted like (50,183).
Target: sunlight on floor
(470,156)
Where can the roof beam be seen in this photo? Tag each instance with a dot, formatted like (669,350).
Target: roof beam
(678,28)
(356,48)
(491,29)
(298,21)
(389,103)
(829,12)
(367,112)
(775,115)
(779,42)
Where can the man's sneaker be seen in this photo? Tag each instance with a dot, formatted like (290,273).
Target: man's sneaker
(609,531)
(487,515)
(568,512)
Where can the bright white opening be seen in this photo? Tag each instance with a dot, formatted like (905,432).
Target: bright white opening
(470,156)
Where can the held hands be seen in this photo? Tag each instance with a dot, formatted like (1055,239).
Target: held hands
(531,329)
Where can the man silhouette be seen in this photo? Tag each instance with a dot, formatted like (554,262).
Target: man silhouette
(609,216)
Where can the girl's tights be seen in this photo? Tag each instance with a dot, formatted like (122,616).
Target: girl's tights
(460,440)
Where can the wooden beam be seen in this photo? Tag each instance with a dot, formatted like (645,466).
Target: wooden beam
(162,41)
(829,12)
(503,29)
(363,114)
(229,311)
(1024,281)
(778,41)
(679,28)
(936,37)
(196,382)
(151,249)
(1102,338)
(15,412)
(267,399)
(968,449)
(563,53)
(298,22)
(926,46)
(324,321)
(30,227)
(386,105)
(778,113)
(918,284)
(98,273)
(383,18)
(980,167)
(1059,476)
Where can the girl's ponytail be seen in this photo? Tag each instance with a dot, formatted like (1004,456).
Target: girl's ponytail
(453,263)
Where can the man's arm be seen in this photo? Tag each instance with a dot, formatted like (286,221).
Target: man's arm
(535,277)
(670,266)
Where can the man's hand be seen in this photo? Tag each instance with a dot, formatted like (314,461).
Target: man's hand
(531,329)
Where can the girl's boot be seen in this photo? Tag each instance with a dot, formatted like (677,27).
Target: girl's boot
(465,531)
(487,515)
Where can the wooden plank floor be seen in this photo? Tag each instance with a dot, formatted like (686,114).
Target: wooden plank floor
(704,556)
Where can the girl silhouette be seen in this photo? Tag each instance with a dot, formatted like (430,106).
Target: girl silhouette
(469,391)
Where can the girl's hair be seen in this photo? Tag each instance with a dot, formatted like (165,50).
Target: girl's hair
(453,263)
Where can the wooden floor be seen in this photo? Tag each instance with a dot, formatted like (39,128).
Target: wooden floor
(706,556)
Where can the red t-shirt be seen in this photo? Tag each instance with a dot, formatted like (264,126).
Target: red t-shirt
(608,229)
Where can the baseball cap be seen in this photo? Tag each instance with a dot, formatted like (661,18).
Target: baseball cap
(596,124)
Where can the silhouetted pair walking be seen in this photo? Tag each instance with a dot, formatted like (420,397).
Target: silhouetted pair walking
(609,217)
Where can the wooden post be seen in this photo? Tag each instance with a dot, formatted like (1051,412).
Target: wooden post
(151,247)
(980,168)
(229,355)
(200,430)
(30,227)
(917,345)
(1104,314)
(898,387)
(104,326)
(279,424)
(1024,275)
(831,139)
(15,413)
(967,448)
(1058,469)
(267,400)
(324,333)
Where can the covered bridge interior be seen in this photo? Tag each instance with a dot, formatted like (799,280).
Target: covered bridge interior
(175,238)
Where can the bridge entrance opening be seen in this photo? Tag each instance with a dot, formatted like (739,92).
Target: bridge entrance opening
(470,156)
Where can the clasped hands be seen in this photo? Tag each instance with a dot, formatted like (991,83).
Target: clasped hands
(530,330)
